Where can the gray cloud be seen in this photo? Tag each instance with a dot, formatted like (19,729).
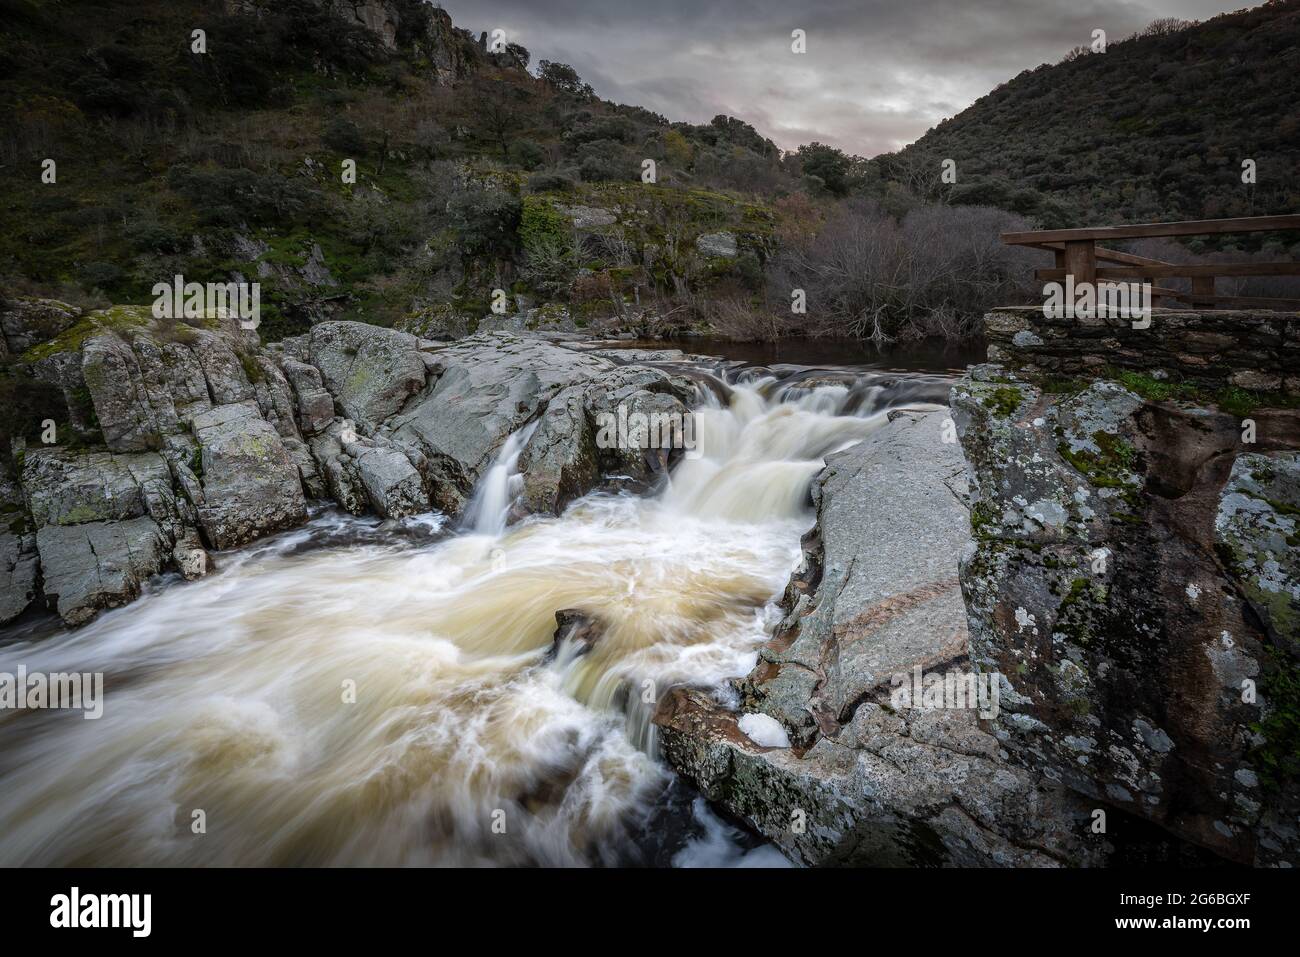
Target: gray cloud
(877,74)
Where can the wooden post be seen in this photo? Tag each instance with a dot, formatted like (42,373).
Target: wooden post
(1081,260)
(1203,286)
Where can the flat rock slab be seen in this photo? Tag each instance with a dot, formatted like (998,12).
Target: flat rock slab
(892,524)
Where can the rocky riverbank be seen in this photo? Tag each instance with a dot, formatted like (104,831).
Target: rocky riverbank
(1110,571)
(1129,572)
(173,439)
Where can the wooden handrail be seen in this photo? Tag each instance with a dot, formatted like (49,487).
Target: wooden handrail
(1197,227)
(1106,255)
(1190,270)
(1077,255)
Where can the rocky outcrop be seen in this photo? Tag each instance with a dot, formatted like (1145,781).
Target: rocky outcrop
(150,391)
(251,487)
(1132,585)
(862,780)
(217,441)
(720,245)
(486,387)
(26,322)
(371,371)
(574,445)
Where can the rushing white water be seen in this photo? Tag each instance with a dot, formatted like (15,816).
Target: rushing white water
(356,694)
(489,509)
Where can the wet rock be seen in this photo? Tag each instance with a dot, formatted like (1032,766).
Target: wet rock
(98,565)
(19,570)
(393,486)
(864,780)
(251,486)
(577,438)
(560,464)
(576,629)
(190,557)
(337,468)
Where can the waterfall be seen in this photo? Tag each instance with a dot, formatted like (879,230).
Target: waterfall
(489,508)
(332,697)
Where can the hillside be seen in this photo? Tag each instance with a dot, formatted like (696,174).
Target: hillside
(473,172)
(1154,128)
(478,171)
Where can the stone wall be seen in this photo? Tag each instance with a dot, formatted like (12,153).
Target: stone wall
(1249,349)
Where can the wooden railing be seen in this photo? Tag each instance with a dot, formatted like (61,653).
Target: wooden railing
(1077,255)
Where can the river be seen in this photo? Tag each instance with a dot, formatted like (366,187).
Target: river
(391,693)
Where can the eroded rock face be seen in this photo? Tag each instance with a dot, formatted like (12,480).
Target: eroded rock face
(19,568)
(1125,648)
(99,564)
(882,593)
(864,782)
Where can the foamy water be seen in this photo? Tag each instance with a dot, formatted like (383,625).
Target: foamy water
(352,693)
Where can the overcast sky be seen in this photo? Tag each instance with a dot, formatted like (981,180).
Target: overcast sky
(877,73)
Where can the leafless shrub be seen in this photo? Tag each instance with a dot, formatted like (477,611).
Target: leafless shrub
(937,272)
(737,319)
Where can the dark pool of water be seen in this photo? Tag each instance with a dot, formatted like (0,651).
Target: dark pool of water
(930,355)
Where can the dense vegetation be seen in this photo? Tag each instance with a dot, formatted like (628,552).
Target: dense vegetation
(1154,128)
(480,170)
